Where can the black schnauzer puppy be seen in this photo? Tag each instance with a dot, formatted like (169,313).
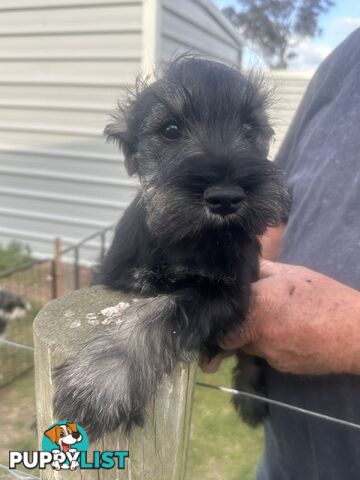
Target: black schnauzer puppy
(198,140)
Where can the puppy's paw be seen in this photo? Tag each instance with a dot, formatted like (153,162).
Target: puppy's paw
(252,412)
(94,389)
(109,383)
(248,377)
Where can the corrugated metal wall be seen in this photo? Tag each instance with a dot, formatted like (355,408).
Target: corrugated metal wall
(189,25)
(63,64)
(288,88)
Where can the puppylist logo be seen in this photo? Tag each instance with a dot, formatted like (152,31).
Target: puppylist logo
(65,447)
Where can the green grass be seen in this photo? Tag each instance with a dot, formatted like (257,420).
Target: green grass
(17,416)
(21,329)
(15,361)
(221,446)
(14,254)
(17,398)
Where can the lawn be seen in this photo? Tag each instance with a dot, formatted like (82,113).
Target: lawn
(17,392)
(221,446)
(13,255)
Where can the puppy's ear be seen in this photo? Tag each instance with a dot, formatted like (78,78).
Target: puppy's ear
(120,131)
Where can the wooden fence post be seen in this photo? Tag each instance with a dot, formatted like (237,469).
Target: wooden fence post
(58,270)
(156,452)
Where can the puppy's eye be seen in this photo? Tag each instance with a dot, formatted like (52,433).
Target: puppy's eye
(171,131)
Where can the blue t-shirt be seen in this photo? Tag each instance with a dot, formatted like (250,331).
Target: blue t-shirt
(321,158)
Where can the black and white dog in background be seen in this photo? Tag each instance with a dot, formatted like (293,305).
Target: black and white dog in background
(198,139)
(11,307)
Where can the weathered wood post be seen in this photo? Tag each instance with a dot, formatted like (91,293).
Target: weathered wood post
(156,452)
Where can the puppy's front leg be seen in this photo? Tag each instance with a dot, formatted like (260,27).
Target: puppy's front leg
(110,383)
(248,376)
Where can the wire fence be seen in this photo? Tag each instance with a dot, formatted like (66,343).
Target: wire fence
(36,282)
(258,398)
(39,281)
(78,261)
(32,281)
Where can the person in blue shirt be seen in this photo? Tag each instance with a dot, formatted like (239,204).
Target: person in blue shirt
(306,317)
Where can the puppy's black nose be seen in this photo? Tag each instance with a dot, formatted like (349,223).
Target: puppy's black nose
(75,434)
(224,200)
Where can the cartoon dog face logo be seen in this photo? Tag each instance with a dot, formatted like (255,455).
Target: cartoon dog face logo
(65,436)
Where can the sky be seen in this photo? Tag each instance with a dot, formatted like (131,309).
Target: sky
(336,25)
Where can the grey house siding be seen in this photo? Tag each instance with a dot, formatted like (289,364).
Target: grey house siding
(63,65)
(288,88)
(188,25)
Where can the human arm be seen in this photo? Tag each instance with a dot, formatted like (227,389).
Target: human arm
(301,322)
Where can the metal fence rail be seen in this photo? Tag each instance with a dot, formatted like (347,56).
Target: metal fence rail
(33,281)
(41,280)
(38,282)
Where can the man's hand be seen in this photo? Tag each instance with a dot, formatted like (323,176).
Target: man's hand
(301,322)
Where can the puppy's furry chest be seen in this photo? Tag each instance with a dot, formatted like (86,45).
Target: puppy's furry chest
(223,263)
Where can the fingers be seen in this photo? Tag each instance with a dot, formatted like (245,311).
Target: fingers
(268,269)
(265,268)
(238,337)
(253,349)
(212,366)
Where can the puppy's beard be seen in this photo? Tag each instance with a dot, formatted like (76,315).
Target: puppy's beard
(172,219)
(172,214)
(216,220)
(237,218)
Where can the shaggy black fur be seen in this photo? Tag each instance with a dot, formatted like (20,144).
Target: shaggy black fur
(198,140)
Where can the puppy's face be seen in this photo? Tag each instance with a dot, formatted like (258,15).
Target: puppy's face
(198,139)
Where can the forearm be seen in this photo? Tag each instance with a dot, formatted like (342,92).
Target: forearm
(302,322)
